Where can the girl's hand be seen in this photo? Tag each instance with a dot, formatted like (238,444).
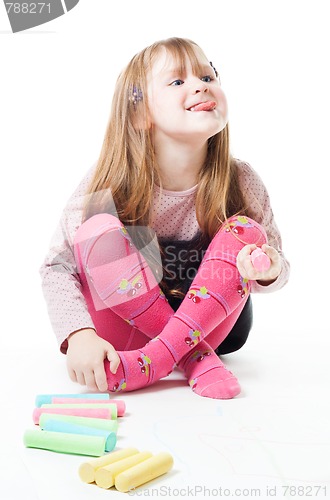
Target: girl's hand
(85,356)
(246,269)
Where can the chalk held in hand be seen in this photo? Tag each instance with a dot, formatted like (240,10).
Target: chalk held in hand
(147,470)
(88,469)
(62,442)
(260,260)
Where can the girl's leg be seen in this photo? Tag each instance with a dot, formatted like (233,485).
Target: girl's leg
(216,293)
(200,368)
(239,332)
(99,266)
(121,291)
(109,325)
(205,372)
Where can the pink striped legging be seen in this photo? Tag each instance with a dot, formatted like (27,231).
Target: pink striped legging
(137,309)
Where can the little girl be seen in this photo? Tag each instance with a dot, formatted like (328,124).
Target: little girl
(151,267)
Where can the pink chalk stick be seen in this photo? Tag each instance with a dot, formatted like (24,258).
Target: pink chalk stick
(121,407)
(260,260)
(77,412)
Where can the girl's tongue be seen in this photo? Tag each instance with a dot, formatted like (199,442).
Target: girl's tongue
(204,106)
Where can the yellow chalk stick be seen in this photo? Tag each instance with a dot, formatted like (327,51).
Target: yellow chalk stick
(87,469)
(144,472)
(105,476)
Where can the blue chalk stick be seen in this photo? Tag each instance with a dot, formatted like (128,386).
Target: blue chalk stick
(67,427)
(47,398)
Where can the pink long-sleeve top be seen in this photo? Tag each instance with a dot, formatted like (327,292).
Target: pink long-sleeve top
(174,219)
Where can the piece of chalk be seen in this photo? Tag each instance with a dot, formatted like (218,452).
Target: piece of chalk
(145,471)
(65,443)
(96,423)
(69,428)
(47,398)
(111,407)
(105,476)
(87,469)
(260,260)
(78,412)
(121,407)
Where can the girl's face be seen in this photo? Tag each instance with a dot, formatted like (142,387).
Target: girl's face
(188,108)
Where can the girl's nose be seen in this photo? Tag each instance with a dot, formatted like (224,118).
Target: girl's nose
(201,88)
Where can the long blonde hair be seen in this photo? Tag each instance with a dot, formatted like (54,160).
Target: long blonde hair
(127,170)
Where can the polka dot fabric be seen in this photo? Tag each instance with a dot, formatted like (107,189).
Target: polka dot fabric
(175,217)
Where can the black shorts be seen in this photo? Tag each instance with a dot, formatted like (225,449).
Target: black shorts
(240,331)
(184,272)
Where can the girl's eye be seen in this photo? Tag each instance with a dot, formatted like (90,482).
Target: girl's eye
(207,78)
(176,83)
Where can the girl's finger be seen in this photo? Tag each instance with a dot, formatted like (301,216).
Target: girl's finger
(243,261)
(80,378)
(271,252)
(252,273)
(90,380)
(72,375)
(247,250)
(114,360)
(100,378)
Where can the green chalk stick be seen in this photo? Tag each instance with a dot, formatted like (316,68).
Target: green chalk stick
(67,427)
(63,442)
(110,406)
(96,423)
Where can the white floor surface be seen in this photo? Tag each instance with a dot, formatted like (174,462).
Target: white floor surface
(273,440)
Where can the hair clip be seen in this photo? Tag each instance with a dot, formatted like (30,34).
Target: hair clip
(215,71)
(136,95)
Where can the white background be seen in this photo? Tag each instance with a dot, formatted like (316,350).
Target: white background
(55,94)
